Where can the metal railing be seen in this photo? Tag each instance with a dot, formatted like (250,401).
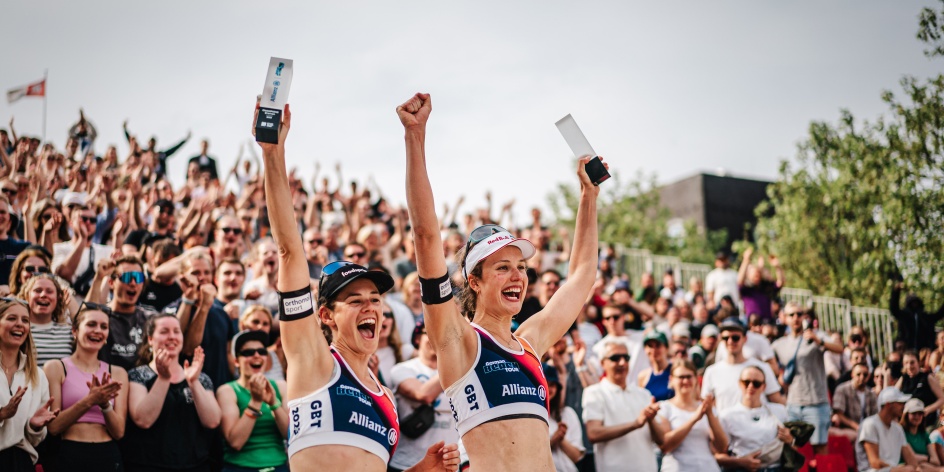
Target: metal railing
(878,323)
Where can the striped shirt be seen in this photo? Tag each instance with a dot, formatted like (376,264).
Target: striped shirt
(53,341)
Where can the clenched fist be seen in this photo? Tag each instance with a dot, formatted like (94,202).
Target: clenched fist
(415,111)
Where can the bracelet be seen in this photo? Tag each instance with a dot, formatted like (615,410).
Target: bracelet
(187,301)
(108,407)
(276,405)
(252,412)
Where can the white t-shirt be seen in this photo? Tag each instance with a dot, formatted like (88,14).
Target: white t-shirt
(589,332)
(695,451)
(611,404)
(574,435)
(749,429)
(757,346)
(632,339)
(410,451)
(723,282)
(387,360)
(61,251)
(890,440)
(723,380)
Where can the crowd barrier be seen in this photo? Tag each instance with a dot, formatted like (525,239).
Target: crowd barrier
(835,314)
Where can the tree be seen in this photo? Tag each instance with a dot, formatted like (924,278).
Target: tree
(864,201)
(630,214)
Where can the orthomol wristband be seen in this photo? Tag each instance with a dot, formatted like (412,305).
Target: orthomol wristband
(296,304)
(436,291)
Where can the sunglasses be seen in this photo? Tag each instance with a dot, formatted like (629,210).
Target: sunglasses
(734,337)
(97,307)
(15,300)
(388,315)
(754,383)
(251,352)
(355,255)
(612,317)
(236,231)
(89,219)
(685,377)
(618,357)
(134,276)
(9,191)
(480,233)
(314,241)
(34,269)
(855,338)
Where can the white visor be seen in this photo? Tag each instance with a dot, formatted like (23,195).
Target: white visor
(490,245)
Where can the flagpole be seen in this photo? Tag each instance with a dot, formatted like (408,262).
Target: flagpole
(45,74)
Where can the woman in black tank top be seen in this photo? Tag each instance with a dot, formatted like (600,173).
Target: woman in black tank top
(921,385)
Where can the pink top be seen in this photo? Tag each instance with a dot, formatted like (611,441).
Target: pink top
(75,388)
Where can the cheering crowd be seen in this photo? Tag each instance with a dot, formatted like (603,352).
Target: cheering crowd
(153,324)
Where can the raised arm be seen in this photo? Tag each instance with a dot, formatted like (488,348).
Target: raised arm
(302,340)
(444,323)
(547,326)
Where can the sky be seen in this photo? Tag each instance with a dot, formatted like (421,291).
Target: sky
(666,88)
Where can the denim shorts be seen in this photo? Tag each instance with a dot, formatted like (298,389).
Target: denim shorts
(816,415)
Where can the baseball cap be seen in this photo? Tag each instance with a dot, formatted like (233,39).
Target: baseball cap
(417,332)
(891,395)
(245,336)
(731,323)
(337,275)
(73,198)
(710,330)
(551,375)
(488,239)
(656,336)
(914,405)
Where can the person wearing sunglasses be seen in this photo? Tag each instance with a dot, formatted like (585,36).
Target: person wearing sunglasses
(128,319)
(495,424)
(93,397)
(228,239)
(807,394)
(339,411)
(10,246)
(254,417)
(25,402)
(695,427)
(859,339)
(621,418)
(755,428)
(33,260)
(721,378)
(613,317)
(75,260)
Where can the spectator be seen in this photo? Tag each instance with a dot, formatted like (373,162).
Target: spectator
(937,356)
(921,385)
(259,318)
(696,291)
(882,445)
(254,419)
(390,350)
(161,291)
(703,353)
(564,426)
(92,397)
(49,327)
(622,419)
(172,407)
(416,384)
(915,325)
(48,224)
(227,239)
(858,339)
(160,169)
(205,163)
(315,252)
(128,320)
(75,260)
(647,289)
(614,317)
(756,290)
(912,421)
(656,378)
(721,378)
(757,346)
(721,281)
(162,226)
(807,394)
(670,290)
(229,279)
(10,247)
(853,402)
(25,409)
(695,427)
(755,428)
(548,283)
(588,325)
(33,260)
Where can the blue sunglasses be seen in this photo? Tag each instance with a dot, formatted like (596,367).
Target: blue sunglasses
(135,276)
(329,270)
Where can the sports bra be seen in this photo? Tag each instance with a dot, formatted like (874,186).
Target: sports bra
(344,412)
(501,385)
(75,388)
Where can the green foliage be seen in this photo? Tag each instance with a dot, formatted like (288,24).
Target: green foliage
(865,200)
(630,214)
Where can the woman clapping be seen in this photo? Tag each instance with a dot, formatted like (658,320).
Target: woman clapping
(696,429)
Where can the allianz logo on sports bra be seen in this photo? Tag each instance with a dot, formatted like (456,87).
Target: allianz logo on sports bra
(361,419)
(347,391)
(497,366)
(518,389)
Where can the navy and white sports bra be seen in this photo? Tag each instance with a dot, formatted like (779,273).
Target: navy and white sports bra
(502,384)
(344,412)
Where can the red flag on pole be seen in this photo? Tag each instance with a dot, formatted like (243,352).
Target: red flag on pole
(36,89)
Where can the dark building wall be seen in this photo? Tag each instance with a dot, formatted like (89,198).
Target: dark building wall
(716,202)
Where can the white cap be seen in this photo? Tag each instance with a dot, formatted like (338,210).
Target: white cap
(681,330)
(493,243)
(914,405)
(710,330)
(73,198)
(891,395)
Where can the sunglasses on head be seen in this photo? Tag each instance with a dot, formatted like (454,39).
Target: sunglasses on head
(329,270)
(251,352)
(480,233)
(236,231)
(754,383)
(15,300)
(733,337)
(36,269)
(96,306)
(132,276)
(618,357)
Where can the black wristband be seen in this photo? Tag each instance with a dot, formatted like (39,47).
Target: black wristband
(296,304)
(436,291)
